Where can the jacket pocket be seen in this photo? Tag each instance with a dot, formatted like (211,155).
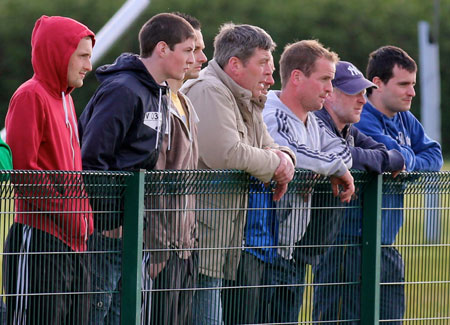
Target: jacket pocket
(242,129)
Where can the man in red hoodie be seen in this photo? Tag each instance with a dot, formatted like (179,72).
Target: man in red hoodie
(41,129)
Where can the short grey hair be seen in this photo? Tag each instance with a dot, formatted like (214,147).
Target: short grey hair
(240,41)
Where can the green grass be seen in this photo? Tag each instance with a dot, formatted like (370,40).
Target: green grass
(425,264)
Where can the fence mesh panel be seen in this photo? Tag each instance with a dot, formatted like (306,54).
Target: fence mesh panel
(215,244)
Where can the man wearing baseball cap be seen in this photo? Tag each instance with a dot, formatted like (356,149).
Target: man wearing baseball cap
(342,264)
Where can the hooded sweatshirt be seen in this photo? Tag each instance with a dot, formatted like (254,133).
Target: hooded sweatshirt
(41,129)
(404,133)
(316,149)
(123,125)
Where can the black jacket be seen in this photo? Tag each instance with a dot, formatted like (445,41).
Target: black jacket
(367,154)
(123,124)
(121,128)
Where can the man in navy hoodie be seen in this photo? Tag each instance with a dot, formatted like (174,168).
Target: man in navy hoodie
(122,128)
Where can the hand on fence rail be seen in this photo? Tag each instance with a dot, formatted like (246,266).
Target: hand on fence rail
(283,175)
(343,186)
(285,171)
(395,173)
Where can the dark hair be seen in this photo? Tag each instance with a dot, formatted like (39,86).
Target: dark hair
(164,27)
(240,41)
(382,62)
(195,23)
(302,56)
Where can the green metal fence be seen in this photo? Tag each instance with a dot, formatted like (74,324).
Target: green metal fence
(305,259)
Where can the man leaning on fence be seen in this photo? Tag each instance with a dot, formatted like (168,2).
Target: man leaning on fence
(341,109)
(123,127)
(176,227)
(232,135)
(306,70)
(386,118)
(41,129)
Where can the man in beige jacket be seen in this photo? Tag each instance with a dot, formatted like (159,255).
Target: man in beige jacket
(232,135)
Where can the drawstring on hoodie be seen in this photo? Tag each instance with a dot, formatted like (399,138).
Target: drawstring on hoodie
(169,116)
(74,122)
(69,126)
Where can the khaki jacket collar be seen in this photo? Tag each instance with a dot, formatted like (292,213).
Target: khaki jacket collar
(239,93)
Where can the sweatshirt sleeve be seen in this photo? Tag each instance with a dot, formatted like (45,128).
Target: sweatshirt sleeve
(423,154)
(25,123)
(373,156)
(333,158)
(103,126)
(219,134)
(269,142)
(428,153)
(372,127)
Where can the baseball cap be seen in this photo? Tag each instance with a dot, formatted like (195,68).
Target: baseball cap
(349,79)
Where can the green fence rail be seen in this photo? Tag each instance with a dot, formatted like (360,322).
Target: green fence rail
(159,236)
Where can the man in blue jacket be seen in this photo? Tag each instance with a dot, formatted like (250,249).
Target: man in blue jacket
(385,118)
(341,264)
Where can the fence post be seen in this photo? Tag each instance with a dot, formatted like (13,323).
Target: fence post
(371,240)
(130,310)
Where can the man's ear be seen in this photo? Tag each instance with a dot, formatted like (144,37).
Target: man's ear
(161,48)
(234,65)
(297,76)
(377,81)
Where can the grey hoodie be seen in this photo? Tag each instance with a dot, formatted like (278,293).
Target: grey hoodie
(316,149)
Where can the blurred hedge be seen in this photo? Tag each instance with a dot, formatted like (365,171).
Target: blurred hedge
(352,28)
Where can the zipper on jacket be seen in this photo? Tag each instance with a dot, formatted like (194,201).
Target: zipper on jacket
(159,112)
(86,226)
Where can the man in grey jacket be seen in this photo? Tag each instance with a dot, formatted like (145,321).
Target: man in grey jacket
(222,96)
(306,70)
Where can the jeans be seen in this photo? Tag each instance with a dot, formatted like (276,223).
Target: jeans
(342,302)
(207,307)
(106,271)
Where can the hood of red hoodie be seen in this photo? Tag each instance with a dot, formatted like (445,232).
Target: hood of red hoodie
(53,42)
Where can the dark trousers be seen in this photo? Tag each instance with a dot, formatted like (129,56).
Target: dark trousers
(285,300)
(243,305)
(342,302)
(48,287)
(173,304)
